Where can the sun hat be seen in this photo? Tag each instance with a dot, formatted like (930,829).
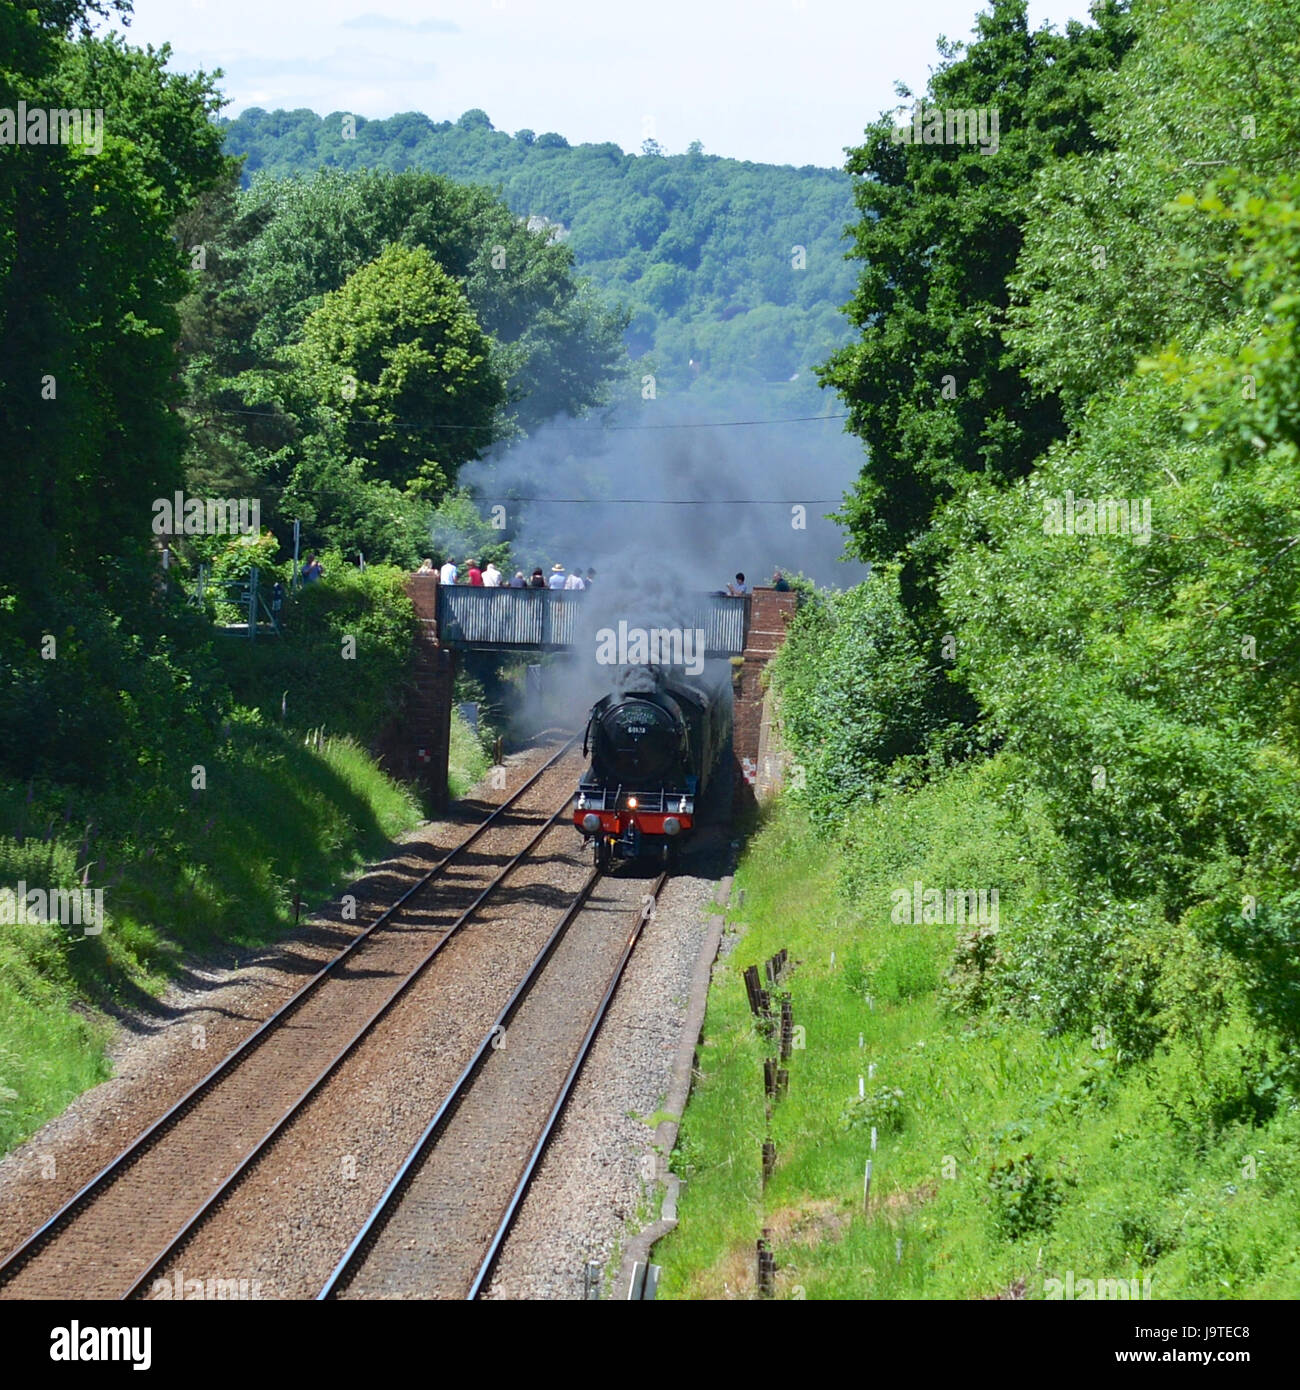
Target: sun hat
(557,569)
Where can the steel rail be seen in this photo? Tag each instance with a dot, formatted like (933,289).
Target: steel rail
(388,1204)
(210,1203)
(489,1261)
(18,1258)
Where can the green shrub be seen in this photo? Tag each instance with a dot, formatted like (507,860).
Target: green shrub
(229,567)
(907,971)
(315,675)
(1081,965)
(855,694)
(1025,1193)
(89,696)
(467,762)
(969,977)
(881,1110)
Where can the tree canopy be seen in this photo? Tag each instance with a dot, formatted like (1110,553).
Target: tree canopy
(734,266)
(447,321)
(932,389)
(98,676)
(1103,517)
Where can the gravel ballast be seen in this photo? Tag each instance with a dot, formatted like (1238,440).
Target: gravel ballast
(160,1054)
(283,1226)
(595,1187)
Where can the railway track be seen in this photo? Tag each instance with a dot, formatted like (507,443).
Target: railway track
(110,1238)
(439,1227)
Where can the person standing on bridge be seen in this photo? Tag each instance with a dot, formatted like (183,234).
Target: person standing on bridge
(538,581)
(447,574)
(558,577)
(491,576)
(519,582)
(575,579)
(475,574)
(739,588)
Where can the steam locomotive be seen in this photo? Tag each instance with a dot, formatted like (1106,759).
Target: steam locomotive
(653,751)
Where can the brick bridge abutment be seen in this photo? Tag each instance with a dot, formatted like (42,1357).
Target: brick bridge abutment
(415,746)
(757,761)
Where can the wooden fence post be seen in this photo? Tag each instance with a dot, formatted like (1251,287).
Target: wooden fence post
(766,1270)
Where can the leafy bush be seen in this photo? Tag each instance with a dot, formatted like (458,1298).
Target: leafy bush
(1267,944)
(881,1110)
(230,568)
(1024,1193)
(310,675)
(969,976)
(855,694)
(1080,965)
(89,695)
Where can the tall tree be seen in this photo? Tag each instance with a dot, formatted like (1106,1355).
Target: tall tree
(1125,614)
(96,675)
(89,279)
(398,354)
(559,348)
(931,388)
(274,255)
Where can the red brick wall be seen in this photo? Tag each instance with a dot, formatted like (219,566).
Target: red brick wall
(415,745)
(769,616)
(423,591)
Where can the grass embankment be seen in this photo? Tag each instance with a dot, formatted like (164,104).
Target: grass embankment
(467,761)
(278,816)
(1004,1157)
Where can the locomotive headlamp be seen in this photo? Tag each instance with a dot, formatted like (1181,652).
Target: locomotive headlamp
(590,823)
(672,826)
(631,801)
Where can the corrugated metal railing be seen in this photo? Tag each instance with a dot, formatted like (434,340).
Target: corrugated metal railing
(547,619)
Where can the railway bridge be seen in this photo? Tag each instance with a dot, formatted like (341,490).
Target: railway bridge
(456,618)
(546,620)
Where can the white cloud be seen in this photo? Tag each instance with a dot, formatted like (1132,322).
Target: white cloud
(785,81)
(343,65)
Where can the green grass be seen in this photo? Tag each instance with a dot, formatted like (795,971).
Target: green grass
(279,816)
(49,1052)
(1017,1157)
(467,763)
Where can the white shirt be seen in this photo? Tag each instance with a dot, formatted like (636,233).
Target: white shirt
(447,574)
(557,581)
(491,577)
(574,581)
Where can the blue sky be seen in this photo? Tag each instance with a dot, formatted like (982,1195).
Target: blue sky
(784,81)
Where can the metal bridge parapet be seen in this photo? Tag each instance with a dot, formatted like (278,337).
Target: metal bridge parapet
(482,619)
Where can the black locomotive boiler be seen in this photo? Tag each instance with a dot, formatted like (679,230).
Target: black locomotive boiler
(653,752)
